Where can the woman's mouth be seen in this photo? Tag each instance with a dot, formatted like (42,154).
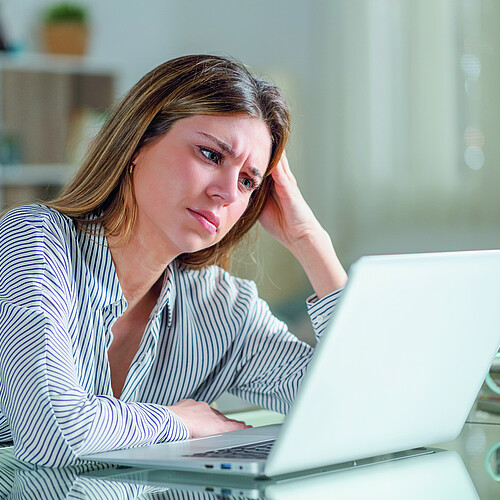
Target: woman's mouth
(207,219)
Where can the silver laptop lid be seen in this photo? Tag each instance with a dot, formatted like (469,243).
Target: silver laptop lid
(401,363)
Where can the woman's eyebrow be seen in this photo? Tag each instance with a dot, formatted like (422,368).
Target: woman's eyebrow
(230,152)
(256,173)
(222,145)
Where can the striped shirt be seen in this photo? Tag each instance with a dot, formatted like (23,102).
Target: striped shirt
(59,296)
(22,481)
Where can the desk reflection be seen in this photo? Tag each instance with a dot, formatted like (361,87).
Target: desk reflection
(441,475)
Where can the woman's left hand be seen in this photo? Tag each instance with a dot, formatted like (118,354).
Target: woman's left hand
(286,215)
(289,219)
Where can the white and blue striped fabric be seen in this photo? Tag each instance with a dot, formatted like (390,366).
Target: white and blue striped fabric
(59,296)
(22,481)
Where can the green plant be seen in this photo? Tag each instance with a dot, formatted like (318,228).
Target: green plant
(66,12)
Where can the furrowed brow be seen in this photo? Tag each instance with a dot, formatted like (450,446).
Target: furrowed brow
(230,152)
(222,145)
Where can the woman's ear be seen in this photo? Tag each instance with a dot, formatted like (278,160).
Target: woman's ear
(135,155)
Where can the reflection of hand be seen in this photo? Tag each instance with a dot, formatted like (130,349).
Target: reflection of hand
(202,420)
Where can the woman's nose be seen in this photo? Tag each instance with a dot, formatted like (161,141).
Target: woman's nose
(224,187)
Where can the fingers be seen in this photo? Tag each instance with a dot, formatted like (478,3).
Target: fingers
(227,419)
(286,166)
(282,174)
(202,420)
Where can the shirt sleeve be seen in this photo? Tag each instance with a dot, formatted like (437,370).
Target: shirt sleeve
(321,310)
(52,420)
(274,361)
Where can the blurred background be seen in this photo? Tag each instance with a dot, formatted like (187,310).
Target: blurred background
(395,109)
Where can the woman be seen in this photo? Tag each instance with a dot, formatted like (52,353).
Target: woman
(118,322)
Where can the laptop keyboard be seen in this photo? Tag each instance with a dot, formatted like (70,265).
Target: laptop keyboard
(252,451)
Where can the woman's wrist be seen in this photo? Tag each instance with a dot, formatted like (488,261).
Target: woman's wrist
(318,258)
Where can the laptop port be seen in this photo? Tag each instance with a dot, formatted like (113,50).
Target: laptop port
(225,466)
(207,466)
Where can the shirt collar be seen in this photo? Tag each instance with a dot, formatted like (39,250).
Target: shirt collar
(168,292)
(104,287)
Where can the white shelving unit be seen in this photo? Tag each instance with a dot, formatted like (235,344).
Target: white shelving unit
(55,175)
(26,175)
(44,103)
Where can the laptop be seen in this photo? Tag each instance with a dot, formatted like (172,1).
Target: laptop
(398,368)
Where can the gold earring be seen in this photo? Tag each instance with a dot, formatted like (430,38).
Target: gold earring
(131,168)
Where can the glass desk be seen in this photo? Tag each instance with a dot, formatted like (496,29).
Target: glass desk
(466,468)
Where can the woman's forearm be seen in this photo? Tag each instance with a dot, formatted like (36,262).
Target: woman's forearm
(319,260)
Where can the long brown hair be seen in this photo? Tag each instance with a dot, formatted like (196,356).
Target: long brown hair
(102,189)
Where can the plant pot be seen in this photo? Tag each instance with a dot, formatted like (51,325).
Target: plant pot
(65,38)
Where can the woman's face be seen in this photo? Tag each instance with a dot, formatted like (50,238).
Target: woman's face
(194,183)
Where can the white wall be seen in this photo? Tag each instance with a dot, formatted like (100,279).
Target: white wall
(380,97)
(399,113)
(129,34)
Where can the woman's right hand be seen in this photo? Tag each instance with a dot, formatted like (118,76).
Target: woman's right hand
(203,420)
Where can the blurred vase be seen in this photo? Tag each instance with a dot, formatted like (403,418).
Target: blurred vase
(65,38)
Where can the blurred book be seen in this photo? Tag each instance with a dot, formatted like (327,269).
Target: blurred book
(84,124)
(4,45)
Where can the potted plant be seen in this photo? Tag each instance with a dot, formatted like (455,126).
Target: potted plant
(65,29)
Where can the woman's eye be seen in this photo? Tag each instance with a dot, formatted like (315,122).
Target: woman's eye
(211,155)
(248,183)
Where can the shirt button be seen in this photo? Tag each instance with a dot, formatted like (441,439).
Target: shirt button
(320,318)
(142,359)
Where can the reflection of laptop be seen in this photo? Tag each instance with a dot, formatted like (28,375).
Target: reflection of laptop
(398,367)
(440,475)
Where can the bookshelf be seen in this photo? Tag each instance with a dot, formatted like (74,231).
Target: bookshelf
(50,108)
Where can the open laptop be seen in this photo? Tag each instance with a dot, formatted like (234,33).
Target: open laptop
(398,368)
